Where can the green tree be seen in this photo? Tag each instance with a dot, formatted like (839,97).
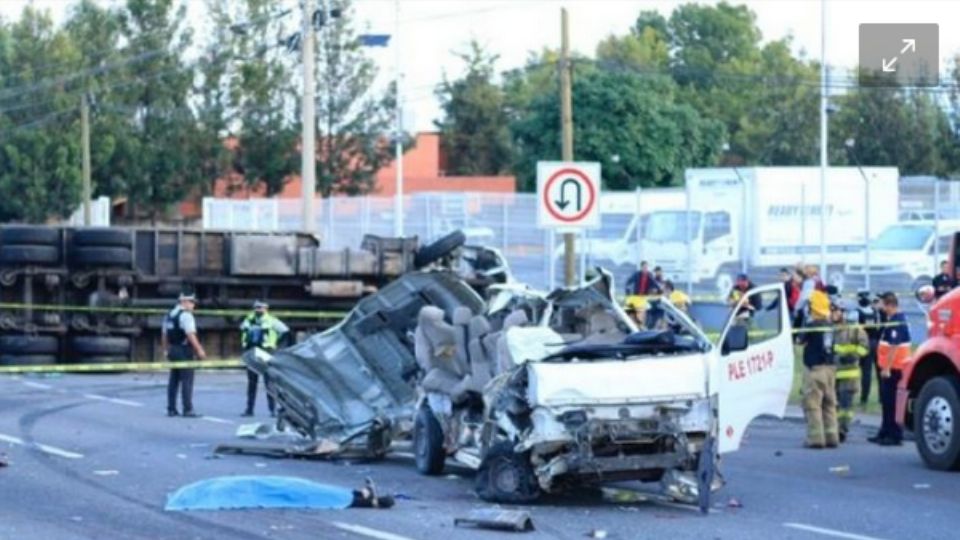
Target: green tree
(354,122)
(646,47)
(39,132)
(629,124)
(474,131)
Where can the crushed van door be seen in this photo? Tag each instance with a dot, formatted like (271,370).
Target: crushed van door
(754,371)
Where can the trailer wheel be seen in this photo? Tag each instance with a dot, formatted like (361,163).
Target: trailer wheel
(94,360)
(103,256)
(29,345)
(103,238)
(24,235)
(27,360)
(936,419)
(439,249)
(428,443)
(29,254)
(506,476)
(101,346)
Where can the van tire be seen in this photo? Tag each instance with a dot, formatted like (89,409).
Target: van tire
(439,249)
(506,476)
(936,423)
(428,443)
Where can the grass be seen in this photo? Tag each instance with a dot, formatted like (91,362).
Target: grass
(873,405)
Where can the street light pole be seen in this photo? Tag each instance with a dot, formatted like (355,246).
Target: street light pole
(308,169)
(823,138)
(850,143)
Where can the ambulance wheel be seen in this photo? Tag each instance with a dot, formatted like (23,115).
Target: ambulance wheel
(921,281)
(428,443)
(935,419)
(506,476)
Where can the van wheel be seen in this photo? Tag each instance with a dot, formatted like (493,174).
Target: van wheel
(935,418)
(428,443)
(506,476)
(921,281)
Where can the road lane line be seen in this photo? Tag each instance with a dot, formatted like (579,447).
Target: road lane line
(216,420)
(829,532)
(367,531)
(42,447)
(117,401)
(37,385)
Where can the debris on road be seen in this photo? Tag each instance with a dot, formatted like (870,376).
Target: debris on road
(3,462)
(622,496)
(597,533)
(245,492)
(840,470)
(734,503)
(497,519)
(921,486)
(778,453)
(322,449)
(106,472)
(256,430)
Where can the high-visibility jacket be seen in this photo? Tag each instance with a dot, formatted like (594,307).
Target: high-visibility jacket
(901,353)
(850,344)
(895,337)
(262,331)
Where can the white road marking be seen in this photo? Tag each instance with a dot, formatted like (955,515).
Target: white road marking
(216,420)
(42,447)
(37,385)
(829,532)
(367,531)
(117,401)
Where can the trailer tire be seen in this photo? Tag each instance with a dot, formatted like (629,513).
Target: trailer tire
(428,443)
(84,360)
(936,422)
(25,235)
(23,345)
(103,238)
(506,476)
(439,249)
(27,360)
(100,345)
(29,254)
(103,256)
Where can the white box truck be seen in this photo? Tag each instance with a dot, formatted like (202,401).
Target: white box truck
(763,218)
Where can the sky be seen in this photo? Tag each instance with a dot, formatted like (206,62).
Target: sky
(431,31)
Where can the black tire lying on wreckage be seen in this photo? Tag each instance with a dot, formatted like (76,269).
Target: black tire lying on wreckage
(428,443)
(439,249)
(506,476)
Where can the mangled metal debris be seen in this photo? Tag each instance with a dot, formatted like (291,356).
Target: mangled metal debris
(496,519)
(538,392)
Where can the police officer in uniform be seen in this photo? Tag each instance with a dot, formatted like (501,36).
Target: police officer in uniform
(870,319)
(180,343)
(261,330)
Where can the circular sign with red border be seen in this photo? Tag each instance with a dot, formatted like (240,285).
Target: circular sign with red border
(558,208)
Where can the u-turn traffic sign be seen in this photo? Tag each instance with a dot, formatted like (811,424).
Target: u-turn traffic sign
(567,194)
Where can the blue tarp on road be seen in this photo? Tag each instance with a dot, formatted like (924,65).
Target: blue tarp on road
(237,492)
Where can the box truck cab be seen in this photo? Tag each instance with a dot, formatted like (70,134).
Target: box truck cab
(760,219)
(908,251)
(928,399)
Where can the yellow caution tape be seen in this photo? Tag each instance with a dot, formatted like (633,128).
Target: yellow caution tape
(124,366)
(301,314)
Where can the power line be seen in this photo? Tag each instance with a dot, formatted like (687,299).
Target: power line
(40,122)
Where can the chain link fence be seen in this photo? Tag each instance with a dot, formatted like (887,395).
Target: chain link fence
(702,249)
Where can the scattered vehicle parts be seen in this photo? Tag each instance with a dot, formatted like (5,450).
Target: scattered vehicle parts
(497,519)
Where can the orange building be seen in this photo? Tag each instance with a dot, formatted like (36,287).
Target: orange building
(422,172)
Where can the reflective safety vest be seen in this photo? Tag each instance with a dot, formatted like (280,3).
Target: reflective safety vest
(901,353)
(849,346)
(259,332)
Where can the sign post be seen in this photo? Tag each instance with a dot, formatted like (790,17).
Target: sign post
(568,195)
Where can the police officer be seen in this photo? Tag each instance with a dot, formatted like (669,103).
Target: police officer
(870,318)
(261,330)
(180,343)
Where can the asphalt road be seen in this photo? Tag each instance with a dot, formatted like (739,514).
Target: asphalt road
(94,456)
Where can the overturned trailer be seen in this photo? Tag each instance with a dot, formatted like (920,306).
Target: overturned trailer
(96,295)
(538,392)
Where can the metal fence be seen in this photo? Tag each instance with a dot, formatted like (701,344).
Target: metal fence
(700,248)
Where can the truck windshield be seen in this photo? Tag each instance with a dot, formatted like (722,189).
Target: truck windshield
(903,238)
(613,226)
(670,226)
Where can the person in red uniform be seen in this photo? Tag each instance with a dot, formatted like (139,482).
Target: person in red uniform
(892,353)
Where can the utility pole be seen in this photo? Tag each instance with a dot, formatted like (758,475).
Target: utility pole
(398,133)
(566,123)
(85,144)
(823,140)
(308,169)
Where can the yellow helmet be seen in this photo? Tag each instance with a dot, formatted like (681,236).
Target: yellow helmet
(636,303)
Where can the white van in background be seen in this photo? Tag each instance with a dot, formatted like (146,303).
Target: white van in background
(907,252)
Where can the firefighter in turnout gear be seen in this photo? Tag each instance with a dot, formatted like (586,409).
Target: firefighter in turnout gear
(264,331)
(819,380)
(850,345)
